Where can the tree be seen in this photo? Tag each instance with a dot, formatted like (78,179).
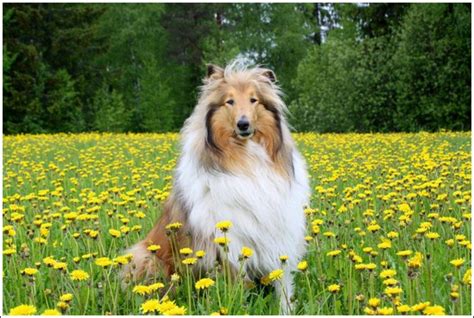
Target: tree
(52,45)
(374,19)
(158,104)
(432,68)
(110,112)
(8,58)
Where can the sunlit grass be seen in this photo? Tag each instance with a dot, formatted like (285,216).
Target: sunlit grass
(388,227)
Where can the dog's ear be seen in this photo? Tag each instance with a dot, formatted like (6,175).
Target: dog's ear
(270,75)
(214,72)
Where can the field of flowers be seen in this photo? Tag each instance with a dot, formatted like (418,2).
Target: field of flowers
(389,227)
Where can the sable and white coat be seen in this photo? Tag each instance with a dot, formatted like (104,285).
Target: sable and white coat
(260,183)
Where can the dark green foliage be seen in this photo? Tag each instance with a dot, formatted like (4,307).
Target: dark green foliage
(432,68)
(156,99)
(110,112)
(134,36)
(399,74)
(138,67)
(50,49)
(375,19)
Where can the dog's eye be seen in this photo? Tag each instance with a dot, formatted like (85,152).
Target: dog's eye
(253,100)
(230,102)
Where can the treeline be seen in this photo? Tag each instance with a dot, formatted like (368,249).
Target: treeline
(137,67)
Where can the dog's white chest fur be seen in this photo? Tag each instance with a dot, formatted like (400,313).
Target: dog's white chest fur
(266,210)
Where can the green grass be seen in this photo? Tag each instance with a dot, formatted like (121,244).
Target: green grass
(102,182)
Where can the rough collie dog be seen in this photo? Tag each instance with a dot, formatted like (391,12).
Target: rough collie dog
(238,163)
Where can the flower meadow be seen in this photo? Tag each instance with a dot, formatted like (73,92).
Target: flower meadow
(388,228)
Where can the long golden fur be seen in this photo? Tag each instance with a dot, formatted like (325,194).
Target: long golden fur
(236,139)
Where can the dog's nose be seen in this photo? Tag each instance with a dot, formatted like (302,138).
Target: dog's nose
(243,124)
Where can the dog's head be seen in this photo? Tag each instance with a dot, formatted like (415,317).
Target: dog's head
(239,105)
(242,103)
(241,97)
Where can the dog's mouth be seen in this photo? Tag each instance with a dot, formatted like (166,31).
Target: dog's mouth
(244,134)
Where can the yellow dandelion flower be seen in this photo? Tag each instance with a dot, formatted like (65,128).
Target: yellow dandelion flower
(334,288)
(62,305)
(246,252)
(60,265)
(186,251)
(265,280)
(150,306)
(403,309)
(390,282)
(374,302)
(329,234)
(153,248)
(166,305)
(66,297)
(86,256)
(200,254)
(51,312)
(303,266)
(115,233)
(316,229)
(449,242)
(22,310)
(434,311)
(361,267)
(93,234)
(392,234)
(391,291)
(154,287)
(415,261)
(121,260)
(420,306)
(367,249)
(79,275)
(385,311)
(457,262)
(189,261)
(467,277)
(369,311)
(277,274)
(29,271)
(384,245)
(333,253)
(283,258)
(9,251)
(175,311)
(373,228)
(432,235)
(103,262)
(174,226)
(224,226)
(405,253)
(388,273)
(141,290)
(204,283)
(222,241)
